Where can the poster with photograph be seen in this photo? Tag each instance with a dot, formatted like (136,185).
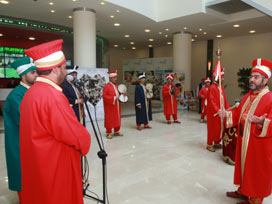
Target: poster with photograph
(91,82)
(155,70)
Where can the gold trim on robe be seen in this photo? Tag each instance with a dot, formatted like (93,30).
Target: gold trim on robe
(48,81)
(265,128)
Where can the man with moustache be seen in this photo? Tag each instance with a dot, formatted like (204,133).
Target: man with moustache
(27,72)
(253,165)
(51,138)
(203,96)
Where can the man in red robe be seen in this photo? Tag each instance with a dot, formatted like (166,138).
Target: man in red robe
(214,126)
(169,92)
(112,106)
(51,138)
(203,96)
(253,165)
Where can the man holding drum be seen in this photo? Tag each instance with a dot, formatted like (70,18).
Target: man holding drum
(112,106)
(169,92)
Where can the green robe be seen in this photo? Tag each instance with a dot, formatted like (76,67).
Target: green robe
(12,145)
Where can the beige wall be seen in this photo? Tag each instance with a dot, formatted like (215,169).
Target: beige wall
(199,63)
(237,52)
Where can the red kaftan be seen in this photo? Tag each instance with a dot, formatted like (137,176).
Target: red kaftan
(112,106)
(213,105)
(253,165)
(51,142)
(203,96)
(169,100)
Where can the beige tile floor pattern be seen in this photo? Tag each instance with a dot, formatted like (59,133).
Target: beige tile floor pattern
(167,164)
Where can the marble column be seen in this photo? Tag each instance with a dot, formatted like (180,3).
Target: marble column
(84,25)
(182,51)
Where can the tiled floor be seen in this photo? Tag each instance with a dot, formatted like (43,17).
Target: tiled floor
(167,164)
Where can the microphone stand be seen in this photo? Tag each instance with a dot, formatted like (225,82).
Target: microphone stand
(102,155)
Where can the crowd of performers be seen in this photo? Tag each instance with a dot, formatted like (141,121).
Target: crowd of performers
(45,134)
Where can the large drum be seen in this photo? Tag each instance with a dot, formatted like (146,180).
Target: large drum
(229,145)
(122,90)
(149,90)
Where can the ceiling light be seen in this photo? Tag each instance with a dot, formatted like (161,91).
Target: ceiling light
(185,28)
(132,43)
(116,24)
(147,30)
(219,36)
(112,16)
(117,11)
(115,45)
(1,35)
(196,36)
(200,29)
(70,16)
(134,48)
(74,0)
(127,36)
(205,33)
(236,26)
(150,45)
(52,11)
(51,3)
(160,33)
(4,2)
(193,40)
(31,38)
(169,43)
(252,31)
(102,3)
(166,36)
(166,29)
(151,39)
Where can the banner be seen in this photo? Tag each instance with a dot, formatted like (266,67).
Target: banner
(91,82)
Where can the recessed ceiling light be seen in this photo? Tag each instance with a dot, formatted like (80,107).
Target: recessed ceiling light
(160,33)
(31,38)
(134,48)
(147,30)
(205,33)
(252,31)
(151,39)
(116,24)
(74,0)
(112,16)
(1,35)
(236,26)
(166,36)
(200,29)
(169,43)
(193,40)
(52,11)
(51,3)
(132,43)
(166,29)
(127,36)
(4,2)
(117,11)
(196,36)
(115,45)
(70,16)
(102,3)
(185,28)
(150,45)
(219,36)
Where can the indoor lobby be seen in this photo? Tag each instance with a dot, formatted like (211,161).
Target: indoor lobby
(168,163)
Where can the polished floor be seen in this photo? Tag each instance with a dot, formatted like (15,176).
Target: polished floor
(167,164)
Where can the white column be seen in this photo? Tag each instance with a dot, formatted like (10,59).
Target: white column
(84,25)
(182,48)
